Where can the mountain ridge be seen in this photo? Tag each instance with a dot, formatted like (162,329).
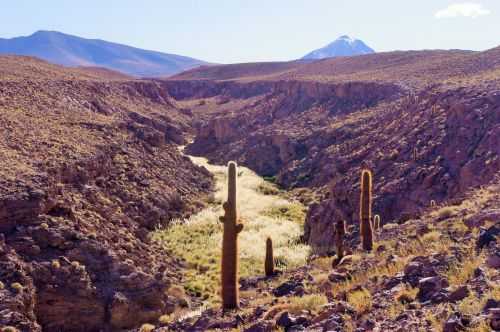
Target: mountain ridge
(74,51)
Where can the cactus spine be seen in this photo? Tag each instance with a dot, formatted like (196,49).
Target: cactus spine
(376,222)
(365,210)
(269,264)
(230,290)
(339,239)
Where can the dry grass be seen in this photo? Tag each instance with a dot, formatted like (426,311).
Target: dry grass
(458,274)
(311,302)
(361,300)
(430,237)
(198,239)
(446,212)
(406,295)
(437,316)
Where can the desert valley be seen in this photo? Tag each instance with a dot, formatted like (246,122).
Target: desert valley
(351,193)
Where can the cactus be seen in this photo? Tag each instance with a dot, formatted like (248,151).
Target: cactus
(339,239)
(232,227)
(433,203)
(376,222)
(434,110)
(415,156)
(269,264)
(365,210)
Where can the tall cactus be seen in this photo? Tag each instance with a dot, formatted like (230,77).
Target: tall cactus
(230,261)
(269,263)
(376,222)
(365,210)
(339,239)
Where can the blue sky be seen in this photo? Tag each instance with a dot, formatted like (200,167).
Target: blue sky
(228,31)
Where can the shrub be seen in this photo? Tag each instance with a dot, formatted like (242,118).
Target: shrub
(268,189)
(147,328)
(55,264)
(9,329)
(17,287)
(165,319)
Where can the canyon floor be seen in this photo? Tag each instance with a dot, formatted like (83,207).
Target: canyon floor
(106,225)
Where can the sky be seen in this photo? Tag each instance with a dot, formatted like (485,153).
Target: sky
(230,31)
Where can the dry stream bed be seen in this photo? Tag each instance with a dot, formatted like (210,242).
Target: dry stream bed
(264,211)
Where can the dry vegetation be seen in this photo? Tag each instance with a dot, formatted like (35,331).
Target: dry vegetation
(264,214)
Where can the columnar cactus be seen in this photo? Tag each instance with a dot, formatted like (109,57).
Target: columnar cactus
(339,238)
(269,263)
(415,154)
(376,222)
(232,227)
(365,210)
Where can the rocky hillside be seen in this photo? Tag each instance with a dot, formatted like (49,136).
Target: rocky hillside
(439,272)
(89,165)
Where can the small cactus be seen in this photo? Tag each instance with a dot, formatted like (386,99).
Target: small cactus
(269,264)
(433,203)
(230,262)
(434,110)
(339,239)
(376,222)
(415,154)
(365,210)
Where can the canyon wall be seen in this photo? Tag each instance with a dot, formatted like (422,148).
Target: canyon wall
(433,143)
(88,169)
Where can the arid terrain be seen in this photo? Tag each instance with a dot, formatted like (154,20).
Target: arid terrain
(106,225)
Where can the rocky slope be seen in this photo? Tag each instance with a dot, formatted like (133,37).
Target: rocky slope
(440,272)
(89,165)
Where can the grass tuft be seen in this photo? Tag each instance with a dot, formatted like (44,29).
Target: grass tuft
(361,300)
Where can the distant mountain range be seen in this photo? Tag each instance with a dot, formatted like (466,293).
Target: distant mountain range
(68,50)
(342,46)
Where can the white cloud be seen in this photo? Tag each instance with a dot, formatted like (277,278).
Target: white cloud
(466,9)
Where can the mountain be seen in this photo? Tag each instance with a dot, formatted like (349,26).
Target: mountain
(342,46)
(73,51)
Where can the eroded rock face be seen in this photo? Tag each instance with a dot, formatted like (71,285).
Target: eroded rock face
(17,293)
(454,150)
(431,143)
